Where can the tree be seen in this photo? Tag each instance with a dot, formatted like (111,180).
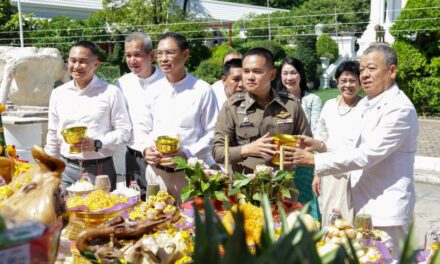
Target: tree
(306,53)
(417,33)
(327,47)
(284,4)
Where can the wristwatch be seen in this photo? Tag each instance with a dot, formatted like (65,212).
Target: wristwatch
(98,145)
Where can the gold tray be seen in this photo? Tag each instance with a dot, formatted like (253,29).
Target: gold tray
(94,219)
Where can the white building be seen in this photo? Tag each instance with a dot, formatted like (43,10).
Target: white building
(216,10)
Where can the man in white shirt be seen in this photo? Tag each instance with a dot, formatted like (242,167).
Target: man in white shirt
(180,105)
(89,101)
(219,86)
(139,56)
(382,151)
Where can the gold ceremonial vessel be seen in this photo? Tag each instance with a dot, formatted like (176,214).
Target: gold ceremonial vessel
(282,140)
(74,135)
(167,144)
(93,219)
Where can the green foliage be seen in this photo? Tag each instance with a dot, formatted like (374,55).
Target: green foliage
(306,53)
(220,51)
(327,47)
(418,50)
(199,183)
(107,72)
(276,49)
(290,51)
(6,12)
(285,4)
(209,70)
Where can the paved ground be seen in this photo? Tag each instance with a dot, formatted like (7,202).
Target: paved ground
(428,142)
(426,212)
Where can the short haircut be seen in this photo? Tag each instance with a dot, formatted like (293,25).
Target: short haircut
(389,55)
(263,53)
(181,41)
(348,66)
(234,63)
(147,44)
(88,45)
(234,52)
(299,66)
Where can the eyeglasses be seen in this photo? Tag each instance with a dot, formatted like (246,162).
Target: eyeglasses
(168,53)
(349,81)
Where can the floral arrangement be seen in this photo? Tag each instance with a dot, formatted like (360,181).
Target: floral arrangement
(201,180)
(277,185)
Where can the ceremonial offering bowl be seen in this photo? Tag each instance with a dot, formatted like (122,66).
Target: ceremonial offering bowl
(363,221)
(167,144)
(282,140)
(74,135)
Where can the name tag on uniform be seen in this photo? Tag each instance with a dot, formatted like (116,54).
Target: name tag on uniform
(283,115)
(285,121)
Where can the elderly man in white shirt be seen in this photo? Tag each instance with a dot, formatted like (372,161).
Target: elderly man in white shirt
(382,151)
(94,103)
(139,56)
(178,105)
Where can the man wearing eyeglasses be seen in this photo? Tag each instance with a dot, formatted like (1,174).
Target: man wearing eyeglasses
(179,105)
(139,56)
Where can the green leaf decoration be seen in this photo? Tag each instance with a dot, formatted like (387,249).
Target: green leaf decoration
(187,193)
(220,196)
(409,251)
(204,185)
(268,234)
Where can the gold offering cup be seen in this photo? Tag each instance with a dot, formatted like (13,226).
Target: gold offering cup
(282,140)
(167,144)
(74,135)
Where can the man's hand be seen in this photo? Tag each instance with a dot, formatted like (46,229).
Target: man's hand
(152,156)
(316,185)
(87,144)
(302,157)
(310,144)
(167,160)
(261,147)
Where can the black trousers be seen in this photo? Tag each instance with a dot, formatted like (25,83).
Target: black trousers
(135,167)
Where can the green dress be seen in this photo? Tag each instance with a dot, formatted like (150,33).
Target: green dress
(303,183)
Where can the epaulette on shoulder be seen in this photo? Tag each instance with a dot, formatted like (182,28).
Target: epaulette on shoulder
(287,95)
(237,97)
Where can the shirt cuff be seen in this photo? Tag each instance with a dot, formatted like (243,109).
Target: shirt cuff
(235,154)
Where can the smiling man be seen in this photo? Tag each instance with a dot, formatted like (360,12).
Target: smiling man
(180,105)
(380,154)
(88,101)
(139,56)
(251,117)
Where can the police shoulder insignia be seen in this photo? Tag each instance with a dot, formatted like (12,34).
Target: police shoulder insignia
(283,114)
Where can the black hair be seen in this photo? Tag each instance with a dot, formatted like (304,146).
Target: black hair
(88,45)
(299,66)
(348,66)
(267,54)
(181,41)
(234,63)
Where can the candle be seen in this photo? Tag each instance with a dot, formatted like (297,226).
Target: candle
(227,154)
(282,158)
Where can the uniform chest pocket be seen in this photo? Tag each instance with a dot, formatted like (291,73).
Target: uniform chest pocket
(246,135)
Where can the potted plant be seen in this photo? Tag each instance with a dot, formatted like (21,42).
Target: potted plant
(202,182)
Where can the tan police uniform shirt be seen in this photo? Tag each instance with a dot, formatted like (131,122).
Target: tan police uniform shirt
(244,121)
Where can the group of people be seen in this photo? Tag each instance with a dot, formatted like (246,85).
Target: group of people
(367,144)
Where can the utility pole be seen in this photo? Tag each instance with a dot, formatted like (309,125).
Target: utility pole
(268,21)
(20,23)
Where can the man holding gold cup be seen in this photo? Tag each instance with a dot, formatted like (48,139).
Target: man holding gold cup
(139,56)
(251,118)
(87,119)
(180,119)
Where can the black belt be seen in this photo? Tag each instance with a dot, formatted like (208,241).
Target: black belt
(87,162)
(168,169)
(135,153)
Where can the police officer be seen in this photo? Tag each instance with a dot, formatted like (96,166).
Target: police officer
(251,117)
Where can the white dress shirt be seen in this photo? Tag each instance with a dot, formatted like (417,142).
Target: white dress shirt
(219,92)
(186,109)
(100,106)
(135,89)
(381,159)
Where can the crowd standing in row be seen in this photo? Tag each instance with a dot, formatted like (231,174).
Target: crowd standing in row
(368,145)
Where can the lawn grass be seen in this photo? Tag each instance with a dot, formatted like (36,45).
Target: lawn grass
(326,94)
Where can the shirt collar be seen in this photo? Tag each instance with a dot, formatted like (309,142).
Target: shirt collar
(95,80)
(150,78)
(273,95)
(371,103)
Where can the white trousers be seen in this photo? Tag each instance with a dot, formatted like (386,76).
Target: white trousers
(172,182)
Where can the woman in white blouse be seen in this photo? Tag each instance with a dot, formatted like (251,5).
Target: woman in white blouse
(337,121)
(293,79)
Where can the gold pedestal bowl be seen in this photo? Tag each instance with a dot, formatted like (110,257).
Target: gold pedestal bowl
(282,140)
(74,135)
(167,144)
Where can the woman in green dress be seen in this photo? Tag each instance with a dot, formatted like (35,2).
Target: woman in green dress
(293,79)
